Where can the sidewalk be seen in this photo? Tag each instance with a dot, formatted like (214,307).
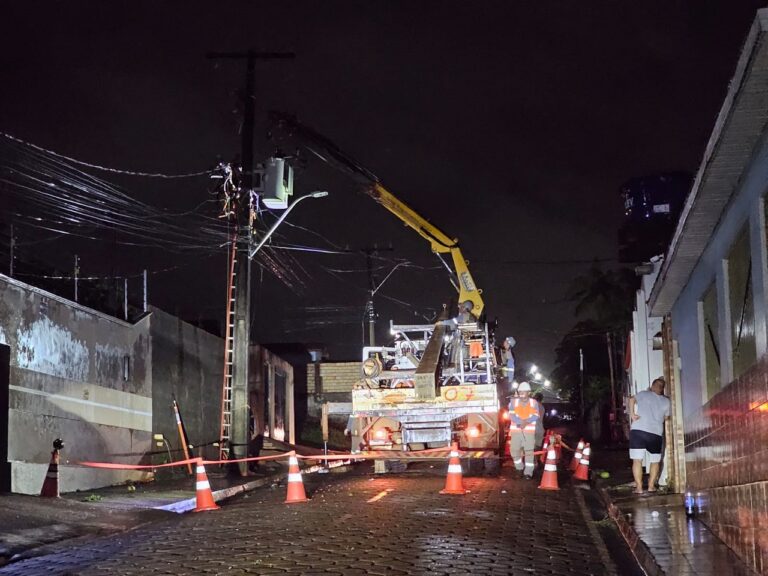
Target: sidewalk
(28,524)
(655,527)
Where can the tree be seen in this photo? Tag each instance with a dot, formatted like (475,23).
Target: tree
(603,303)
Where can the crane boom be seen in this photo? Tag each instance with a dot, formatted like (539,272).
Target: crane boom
(439,242)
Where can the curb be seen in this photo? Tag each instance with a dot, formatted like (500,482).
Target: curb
(639,549)
(189,504)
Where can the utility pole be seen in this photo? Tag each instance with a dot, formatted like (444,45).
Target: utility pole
(145,290)
(240,415)
(370,310)
(77,273)
(13,245)
(125,298)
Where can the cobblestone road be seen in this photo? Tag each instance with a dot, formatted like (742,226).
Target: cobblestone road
(504,526)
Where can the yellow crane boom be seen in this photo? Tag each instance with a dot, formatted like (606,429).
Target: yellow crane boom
(440,242)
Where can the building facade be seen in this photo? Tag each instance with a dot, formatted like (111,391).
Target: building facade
(712,292)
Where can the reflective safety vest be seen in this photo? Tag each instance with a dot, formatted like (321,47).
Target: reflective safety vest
(524,412)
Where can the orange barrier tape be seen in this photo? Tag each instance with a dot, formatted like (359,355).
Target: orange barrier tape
(431,453)
(113,466)
(251,459)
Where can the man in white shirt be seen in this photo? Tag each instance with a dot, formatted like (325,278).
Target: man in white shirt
(648,410)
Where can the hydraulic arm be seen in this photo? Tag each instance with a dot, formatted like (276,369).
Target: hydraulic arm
(440,243)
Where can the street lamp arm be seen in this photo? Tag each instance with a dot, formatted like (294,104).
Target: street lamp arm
(283,216)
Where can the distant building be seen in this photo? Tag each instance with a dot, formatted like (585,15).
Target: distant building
(652,205)
(712,293)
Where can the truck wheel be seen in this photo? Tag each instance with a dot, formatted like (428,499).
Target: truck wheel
(492,466)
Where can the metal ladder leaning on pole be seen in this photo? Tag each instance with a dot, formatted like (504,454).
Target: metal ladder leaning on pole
(229,352)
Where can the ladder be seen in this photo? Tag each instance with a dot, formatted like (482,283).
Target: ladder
(229,354)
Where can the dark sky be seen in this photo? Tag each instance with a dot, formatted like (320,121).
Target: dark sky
(511,125)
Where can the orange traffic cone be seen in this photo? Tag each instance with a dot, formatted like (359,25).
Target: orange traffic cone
(549,478)
(545,447)
(453,482)
(576,456)
(203,490)
(51,482)
(295,483)
(582,472)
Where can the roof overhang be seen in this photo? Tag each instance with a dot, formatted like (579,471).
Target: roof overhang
(738,129)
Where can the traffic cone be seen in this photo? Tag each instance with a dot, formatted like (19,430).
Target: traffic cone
(576,456)
(453,482)
(51,482)
(545,448)
(549,478)
(295,483)
(203,490)
(582,472)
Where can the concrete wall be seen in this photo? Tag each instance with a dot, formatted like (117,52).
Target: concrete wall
(106,386)
(75,374)
(188,364)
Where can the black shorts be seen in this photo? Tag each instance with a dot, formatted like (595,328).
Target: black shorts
(641,441)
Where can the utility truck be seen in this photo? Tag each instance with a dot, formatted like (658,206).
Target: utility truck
(435,383)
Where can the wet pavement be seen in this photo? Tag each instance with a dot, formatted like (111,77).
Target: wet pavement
(682,546)
(656,527)
(360,523)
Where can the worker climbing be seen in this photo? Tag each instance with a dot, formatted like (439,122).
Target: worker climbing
(523,412)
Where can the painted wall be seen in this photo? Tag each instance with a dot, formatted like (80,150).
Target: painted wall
(726,430)
(78,375)
(188,364)
(745,208)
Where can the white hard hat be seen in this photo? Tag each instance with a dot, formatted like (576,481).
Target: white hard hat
(524,387)
(511,341)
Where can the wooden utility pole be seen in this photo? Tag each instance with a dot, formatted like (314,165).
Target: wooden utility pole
(242,332)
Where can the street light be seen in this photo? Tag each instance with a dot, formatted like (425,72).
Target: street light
(537,376)
(547,383)
(533,369)
(318,194)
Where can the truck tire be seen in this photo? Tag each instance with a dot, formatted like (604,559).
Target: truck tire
(492,466)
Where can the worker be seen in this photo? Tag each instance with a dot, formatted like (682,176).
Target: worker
(465,313)
(508,358)
(523,412)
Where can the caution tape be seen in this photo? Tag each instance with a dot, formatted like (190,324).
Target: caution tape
(430,454)
(114,466)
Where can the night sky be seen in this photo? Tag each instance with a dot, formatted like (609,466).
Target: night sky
(509,125)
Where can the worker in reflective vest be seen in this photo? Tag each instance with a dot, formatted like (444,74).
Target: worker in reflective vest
(523,412)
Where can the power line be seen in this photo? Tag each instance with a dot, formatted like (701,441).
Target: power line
(105,168)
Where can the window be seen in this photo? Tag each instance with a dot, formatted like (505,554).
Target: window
(741,305)
(711,342)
